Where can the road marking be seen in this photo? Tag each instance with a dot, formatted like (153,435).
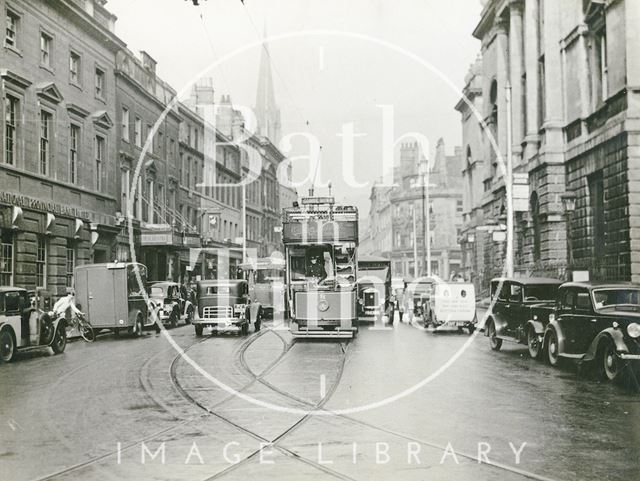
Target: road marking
(323,386)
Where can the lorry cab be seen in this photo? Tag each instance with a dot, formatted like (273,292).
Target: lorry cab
(223,306)
(23,327)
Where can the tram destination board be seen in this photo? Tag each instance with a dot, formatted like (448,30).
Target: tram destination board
(320,231)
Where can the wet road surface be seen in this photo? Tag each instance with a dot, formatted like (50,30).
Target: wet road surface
(396,403)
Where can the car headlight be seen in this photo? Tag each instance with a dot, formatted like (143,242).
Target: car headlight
(633,330)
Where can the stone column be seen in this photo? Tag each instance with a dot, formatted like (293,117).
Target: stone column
(502,75)
(516,63)
(531,55)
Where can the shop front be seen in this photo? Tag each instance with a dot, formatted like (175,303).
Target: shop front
(41,242)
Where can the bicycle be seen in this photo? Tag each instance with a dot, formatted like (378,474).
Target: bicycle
(83,326)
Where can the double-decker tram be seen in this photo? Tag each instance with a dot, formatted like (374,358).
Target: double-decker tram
(321,243)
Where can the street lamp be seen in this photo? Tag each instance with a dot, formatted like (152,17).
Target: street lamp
(569,206)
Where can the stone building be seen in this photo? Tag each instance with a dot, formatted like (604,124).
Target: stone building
(409,213)
(380,235)
(58,183)
(148,126)
(574,121)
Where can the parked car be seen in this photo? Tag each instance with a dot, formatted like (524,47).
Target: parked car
(596,322)
(224,306)
(374,289)
(452,304)
(521,311)
(24,327)
(170,303)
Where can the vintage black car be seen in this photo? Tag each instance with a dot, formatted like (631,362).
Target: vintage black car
(224,306)
(596,322)
(170,303)
(521,309)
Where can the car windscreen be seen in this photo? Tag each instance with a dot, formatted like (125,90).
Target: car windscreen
(604,298)
(540,292)
(157,291)
(269,275)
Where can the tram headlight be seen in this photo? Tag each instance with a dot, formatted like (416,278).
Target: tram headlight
(323,305)
(633,330)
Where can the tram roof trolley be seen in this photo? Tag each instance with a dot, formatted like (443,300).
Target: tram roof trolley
(321,243)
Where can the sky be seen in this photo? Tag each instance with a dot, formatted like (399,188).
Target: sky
(334,63)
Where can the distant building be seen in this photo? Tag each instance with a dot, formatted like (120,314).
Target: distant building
(398,215)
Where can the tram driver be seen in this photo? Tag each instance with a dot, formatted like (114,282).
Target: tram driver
(316,265)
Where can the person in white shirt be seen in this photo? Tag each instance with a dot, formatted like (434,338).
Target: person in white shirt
(66,306)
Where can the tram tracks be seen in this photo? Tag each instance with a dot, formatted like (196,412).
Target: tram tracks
(275,442)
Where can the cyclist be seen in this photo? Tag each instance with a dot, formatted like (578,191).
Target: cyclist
(66,306)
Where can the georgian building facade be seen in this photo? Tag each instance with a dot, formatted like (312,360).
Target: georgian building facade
(93,141)
(58,178)
(574,112)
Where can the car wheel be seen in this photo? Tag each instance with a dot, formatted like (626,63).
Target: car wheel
(7,346)
(189,316)
(136,330)
(59,340)
(553,350)
(245,329)
(173,319)
(533,343)
(609,361)
(198,331)
(494,341)
(471,328)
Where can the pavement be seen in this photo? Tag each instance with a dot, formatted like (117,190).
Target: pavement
(397,403)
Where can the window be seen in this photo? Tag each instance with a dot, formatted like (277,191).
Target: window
(41,262)
(125,124)
(150,138)
(138,132)
(99,83)
(515,294)
(195,132)
(10,129)
(74,148)
(70,263)
(74,68)
(459,206)
(124,189)
(45,49)
(46,119)
(542,91)
(150,200)
(534,207)
(100,156)
(601,64)
(11,33)
(6,258)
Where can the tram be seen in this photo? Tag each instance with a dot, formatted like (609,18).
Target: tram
(321,244)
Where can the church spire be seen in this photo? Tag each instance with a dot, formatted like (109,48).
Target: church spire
(266,110)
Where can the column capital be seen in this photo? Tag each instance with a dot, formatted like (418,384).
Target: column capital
(516,7)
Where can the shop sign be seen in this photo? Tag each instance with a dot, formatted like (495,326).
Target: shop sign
(27,202)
